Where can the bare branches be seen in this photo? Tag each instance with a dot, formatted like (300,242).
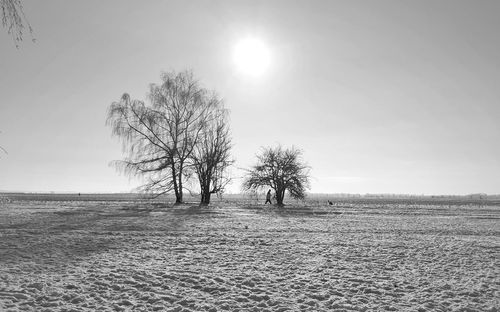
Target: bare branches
(14,20)
(3,149)
(280,169)
(211,157)
(162,138)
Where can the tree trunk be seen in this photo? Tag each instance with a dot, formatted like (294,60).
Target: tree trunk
(178,199)
(204,179)
(279,197)
(205,192)
(178,196)
(205,198)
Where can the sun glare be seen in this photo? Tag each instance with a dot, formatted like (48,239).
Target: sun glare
(251,56)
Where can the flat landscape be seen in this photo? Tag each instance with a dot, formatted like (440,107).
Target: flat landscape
(101,253)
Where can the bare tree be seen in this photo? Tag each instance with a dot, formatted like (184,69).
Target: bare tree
(211,156)
(280,169)
(14,20)
(3,149)
(160,138)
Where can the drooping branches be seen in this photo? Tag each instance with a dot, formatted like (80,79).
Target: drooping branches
(14,20)
(150,151)
(280,169)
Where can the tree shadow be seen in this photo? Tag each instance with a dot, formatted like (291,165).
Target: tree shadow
(75,234)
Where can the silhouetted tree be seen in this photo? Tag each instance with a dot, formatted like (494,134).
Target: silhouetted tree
(280,169)
(211,156)
(14,20)
(3,149)
(161,138)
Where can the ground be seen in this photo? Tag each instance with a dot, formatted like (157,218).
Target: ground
(107,255)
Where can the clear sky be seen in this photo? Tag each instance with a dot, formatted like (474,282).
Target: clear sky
(382,96)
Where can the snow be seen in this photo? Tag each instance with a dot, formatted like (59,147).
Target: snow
(137,256)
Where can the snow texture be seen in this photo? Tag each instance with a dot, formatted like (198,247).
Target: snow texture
(133,256)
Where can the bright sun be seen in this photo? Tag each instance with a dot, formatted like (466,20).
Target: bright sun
(251,56)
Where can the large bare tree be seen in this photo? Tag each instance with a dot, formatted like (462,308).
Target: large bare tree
(211,156)
(14,20)
(160,138)
(280,169)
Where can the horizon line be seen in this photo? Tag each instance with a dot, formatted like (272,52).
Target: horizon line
(243,193)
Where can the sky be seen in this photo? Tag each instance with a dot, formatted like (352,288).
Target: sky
(381,96)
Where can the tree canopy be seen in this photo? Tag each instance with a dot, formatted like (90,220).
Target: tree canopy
(165,140)
(211,157)
(280,169)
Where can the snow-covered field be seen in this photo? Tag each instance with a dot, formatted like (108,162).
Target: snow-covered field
(133,256)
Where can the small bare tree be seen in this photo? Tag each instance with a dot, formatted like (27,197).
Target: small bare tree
(280,169)
(3,149)
(160,138)
(211,157)
(14,20)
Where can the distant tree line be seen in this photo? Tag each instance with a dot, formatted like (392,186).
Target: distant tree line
(183,134)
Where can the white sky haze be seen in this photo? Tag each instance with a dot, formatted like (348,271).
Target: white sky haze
(382,96)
